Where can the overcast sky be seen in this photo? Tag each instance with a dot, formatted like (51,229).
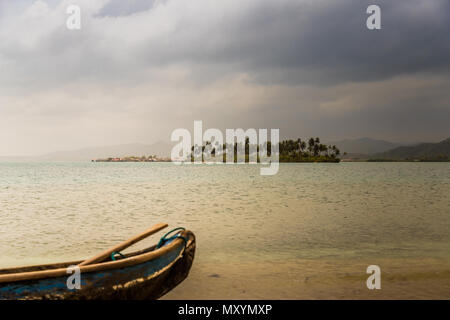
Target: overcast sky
(138,69)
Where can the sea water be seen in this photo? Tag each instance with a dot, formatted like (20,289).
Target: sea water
(51,212)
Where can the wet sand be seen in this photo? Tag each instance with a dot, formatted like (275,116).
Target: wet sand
(317,279)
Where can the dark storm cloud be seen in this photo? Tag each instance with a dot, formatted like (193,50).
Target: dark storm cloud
(316,42)
(275,42)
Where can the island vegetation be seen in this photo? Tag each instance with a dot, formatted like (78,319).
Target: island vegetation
(308,151)
(311,150)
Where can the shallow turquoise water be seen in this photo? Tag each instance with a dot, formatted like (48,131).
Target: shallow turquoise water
(56,211)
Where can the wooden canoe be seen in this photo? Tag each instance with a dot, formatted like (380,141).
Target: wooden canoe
(144,274)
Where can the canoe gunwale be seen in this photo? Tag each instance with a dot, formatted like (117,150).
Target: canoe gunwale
(131,259)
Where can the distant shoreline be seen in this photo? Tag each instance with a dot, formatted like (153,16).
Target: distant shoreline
(133,159)
(282,160)
(395,160)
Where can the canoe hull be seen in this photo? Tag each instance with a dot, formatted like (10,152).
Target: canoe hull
(147,280)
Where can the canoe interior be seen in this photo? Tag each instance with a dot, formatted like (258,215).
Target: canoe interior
(65,264)
(147,280)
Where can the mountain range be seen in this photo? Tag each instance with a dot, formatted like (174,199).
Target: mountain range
(424,151)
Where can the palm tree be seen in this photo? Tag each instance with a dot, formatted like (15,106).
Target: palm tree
(311,145)
(316,149)
(323,148)
(302,147)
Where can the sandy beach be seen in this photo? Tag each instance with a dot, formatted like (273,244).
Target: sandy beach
(313,279)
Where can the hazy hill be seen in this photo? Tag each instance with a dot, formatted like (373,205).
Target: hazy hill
(364,145)
(161,149)
(423,151)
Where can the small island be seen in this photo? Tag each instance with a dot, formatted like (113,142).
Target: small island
(152,158)
(298,150)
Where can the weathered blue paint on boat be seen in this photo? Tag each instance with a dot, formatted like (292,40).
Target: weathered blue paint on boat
(128,282)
